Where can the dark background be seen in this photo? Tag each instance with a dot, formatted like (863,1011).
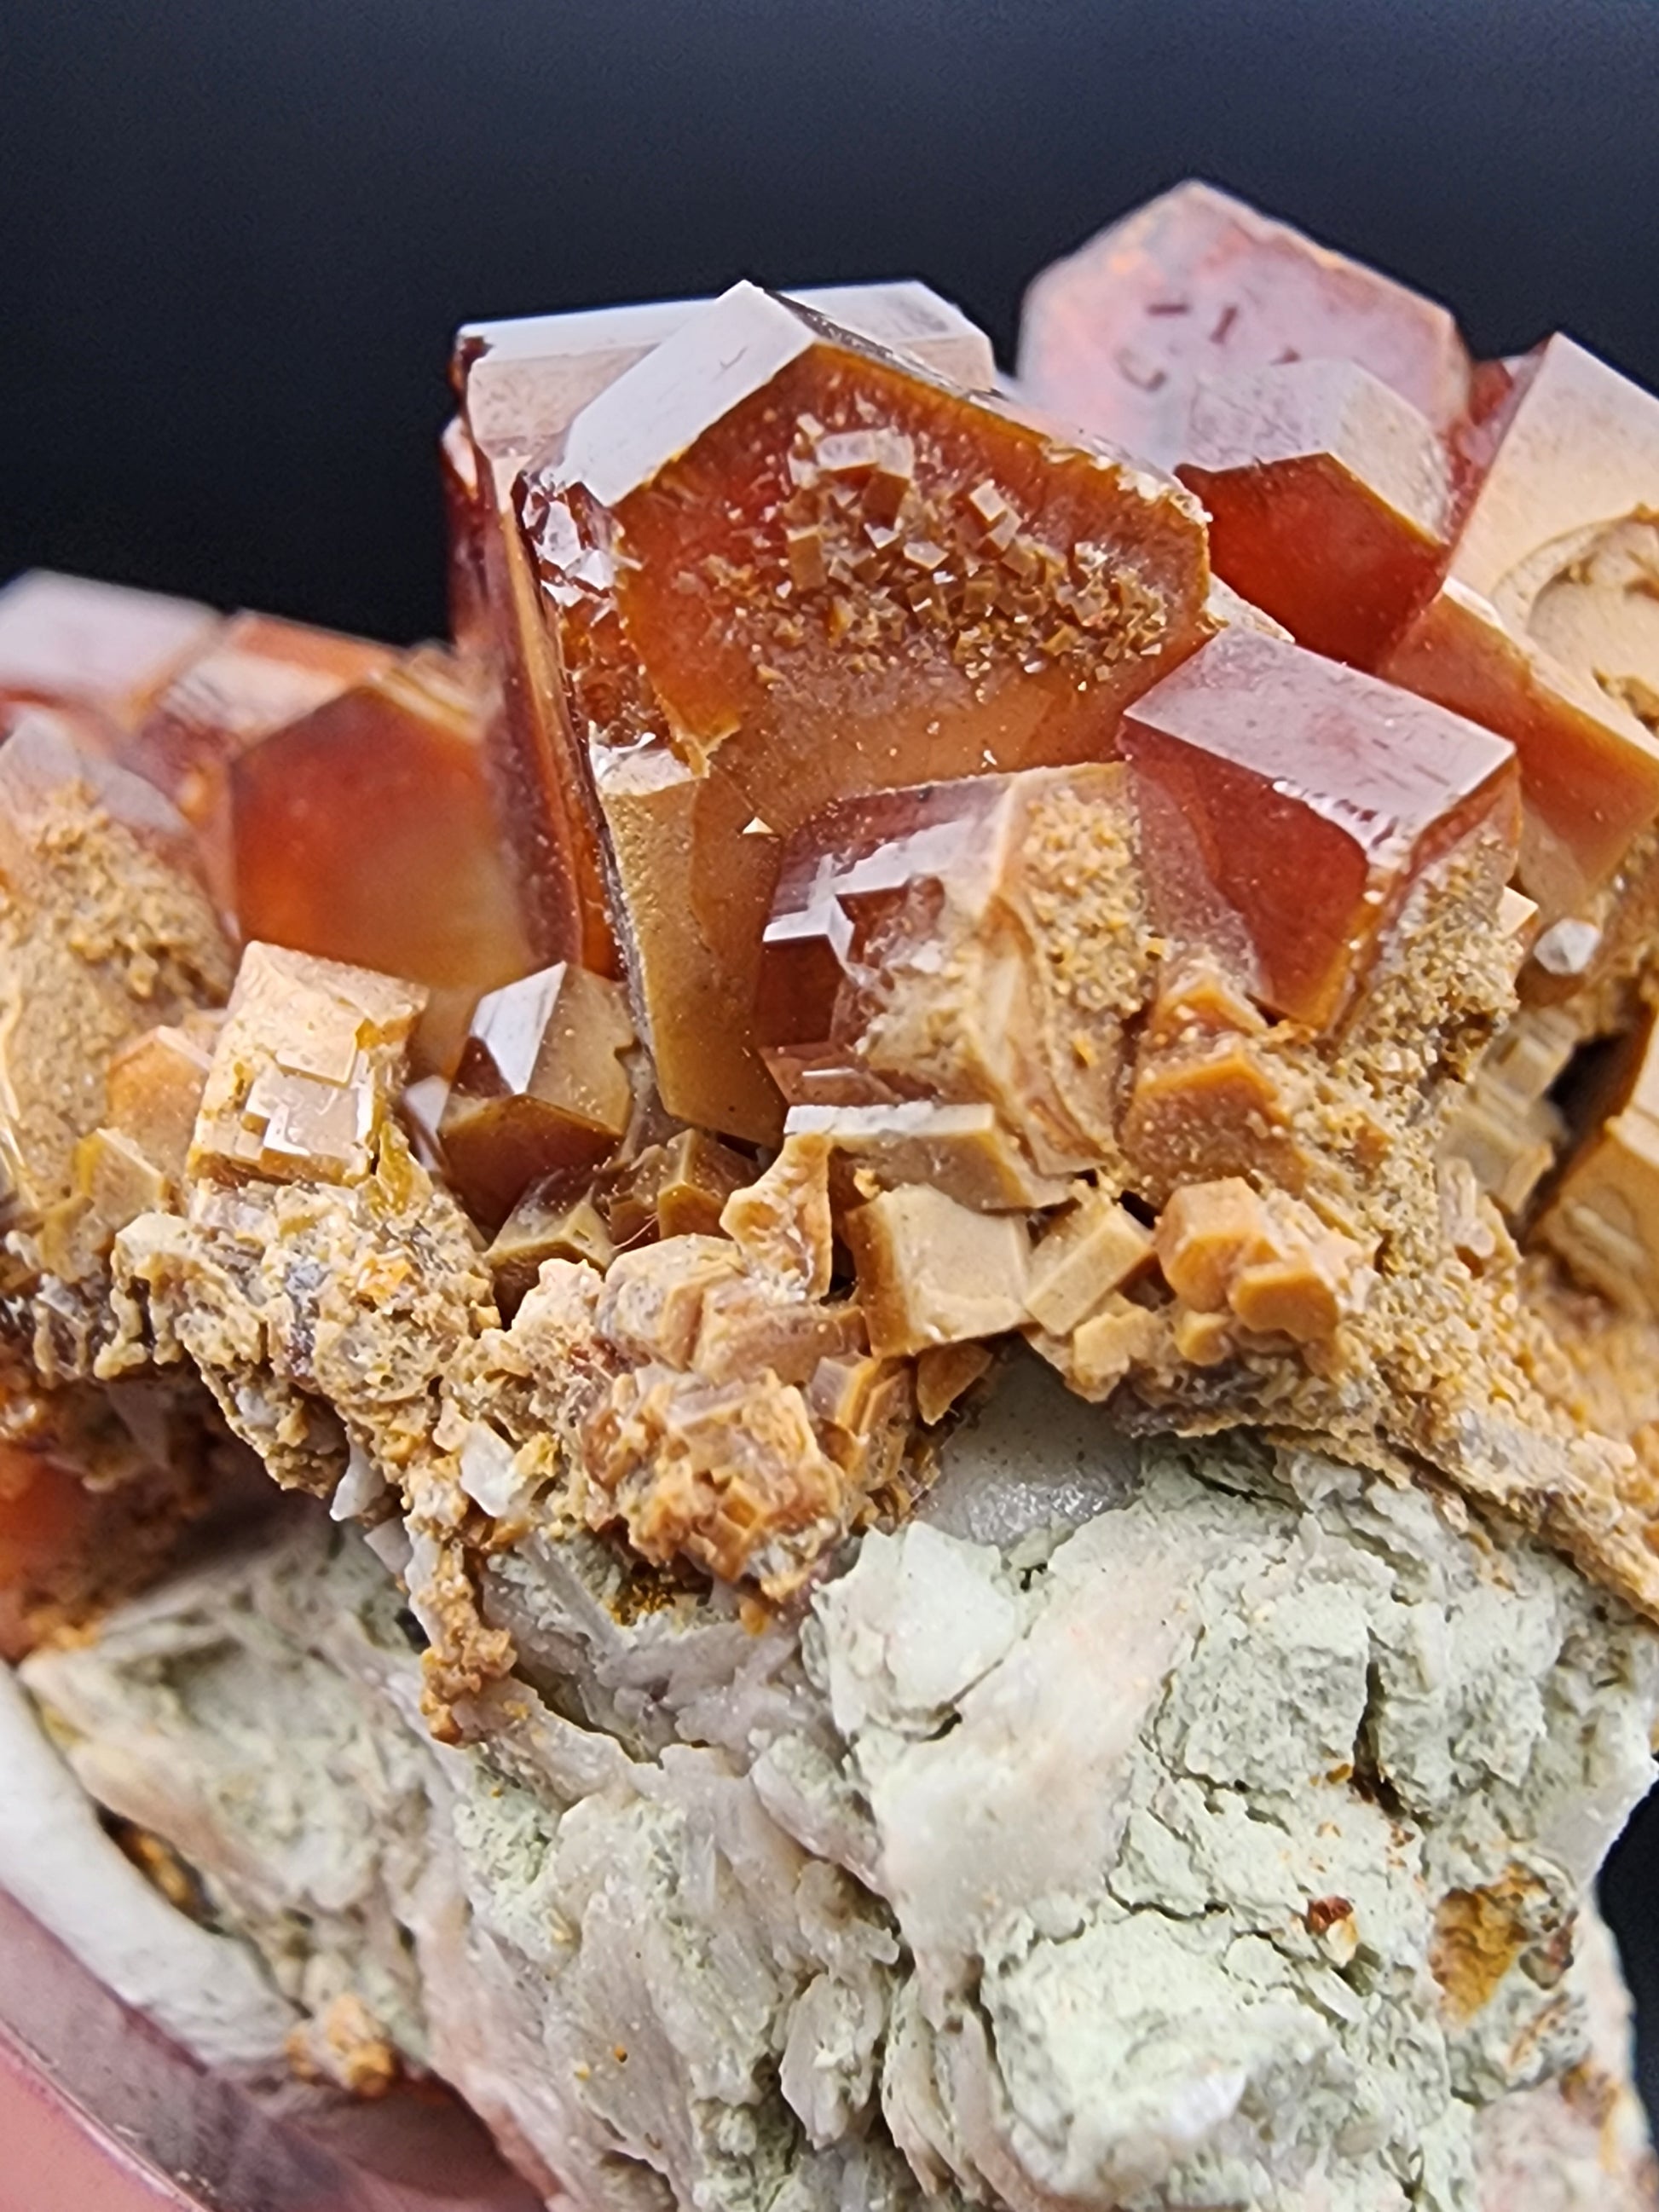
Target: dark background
(235,235)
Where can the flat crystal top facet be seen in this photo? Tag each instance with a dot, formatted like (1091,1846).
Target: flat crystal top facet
(1296,800)
(784,568)
(69,641)
(1196,283)
(525,381)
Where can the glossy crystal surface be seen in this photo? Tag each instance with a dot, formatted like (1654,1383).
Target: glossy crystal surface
(541,1088)
(783,567)
(366,832)
(1196,284)
(1546,626)
(1327,496)
(255,674)
(967,944)
(1288,804)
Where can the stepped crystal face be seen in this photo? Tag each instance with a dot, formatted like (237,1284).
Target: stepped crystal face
(781,567)
(941,1168)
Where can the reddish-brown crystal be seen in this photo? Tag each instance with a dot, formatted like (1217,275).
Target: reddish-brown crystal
(783,567)
(1546,624)
(364,832)
(256,674)
(1288,804)
(1328,497)
(98,651)
(1196,284)
(540,1090)
(522,384)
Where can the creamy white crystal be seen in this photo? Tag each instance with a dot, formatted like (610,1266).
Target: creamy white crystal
(1214,1836)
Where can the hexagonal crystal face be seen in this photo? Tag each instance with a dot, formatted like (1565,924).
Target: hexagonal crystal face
(782,568)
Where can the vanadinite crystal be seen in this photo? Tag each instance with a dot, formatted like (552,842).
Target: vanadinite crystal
(1327,496)
(1196,284)
(541,1087)
(340,795)
(781,567)
(1545,624)
(521,384)
(1288,805)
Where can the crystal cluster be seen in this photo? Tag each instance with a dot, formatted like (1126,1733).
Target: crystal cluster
(896,887)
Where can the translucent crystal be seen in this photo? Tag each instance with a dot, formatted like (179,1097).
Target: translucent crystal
(366,832)
(541,1088)
(1289,805)
(256,674)
(1546,626)
(970,943)
(783,567)
(1327,496)
(1195,284)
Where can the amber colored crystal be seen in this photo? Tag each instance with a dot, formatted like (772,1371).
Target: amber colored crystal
(366,832)
(676,1188)
(521,384)
(305,1072)
(546,1224)
(155,1091)
(783,567)
(975,945)
(466,519)
(256,674)
(98,653)
(1603,1215)
(541,1088)
(1288,805)
(1328,497)
(1195,284)
(1546,626)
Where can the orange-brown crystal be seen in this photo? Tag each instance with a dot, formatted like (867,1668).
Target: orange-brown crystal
(1546,626)
(256,674)
(1195,284)
(540,1090)
(364,832)
(1328,497)
(1288,804)
(781,567)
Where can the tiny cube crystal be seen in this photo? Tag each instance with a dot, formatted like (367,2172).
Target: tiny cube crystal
(781,567)
(1289,805)
(305,1072)
(1546,625)
(1328,497)
(1197,284)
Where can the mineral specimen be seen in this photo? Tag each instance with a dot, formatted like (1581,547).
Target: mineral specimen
(780,567)
(540,1087)
(1288,807)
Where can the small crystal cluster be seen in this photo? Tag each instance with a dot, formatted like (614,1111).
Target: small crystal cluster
(879,871)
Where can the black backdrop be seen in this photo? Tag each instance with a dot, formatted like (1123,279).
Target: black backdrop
(235,235)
